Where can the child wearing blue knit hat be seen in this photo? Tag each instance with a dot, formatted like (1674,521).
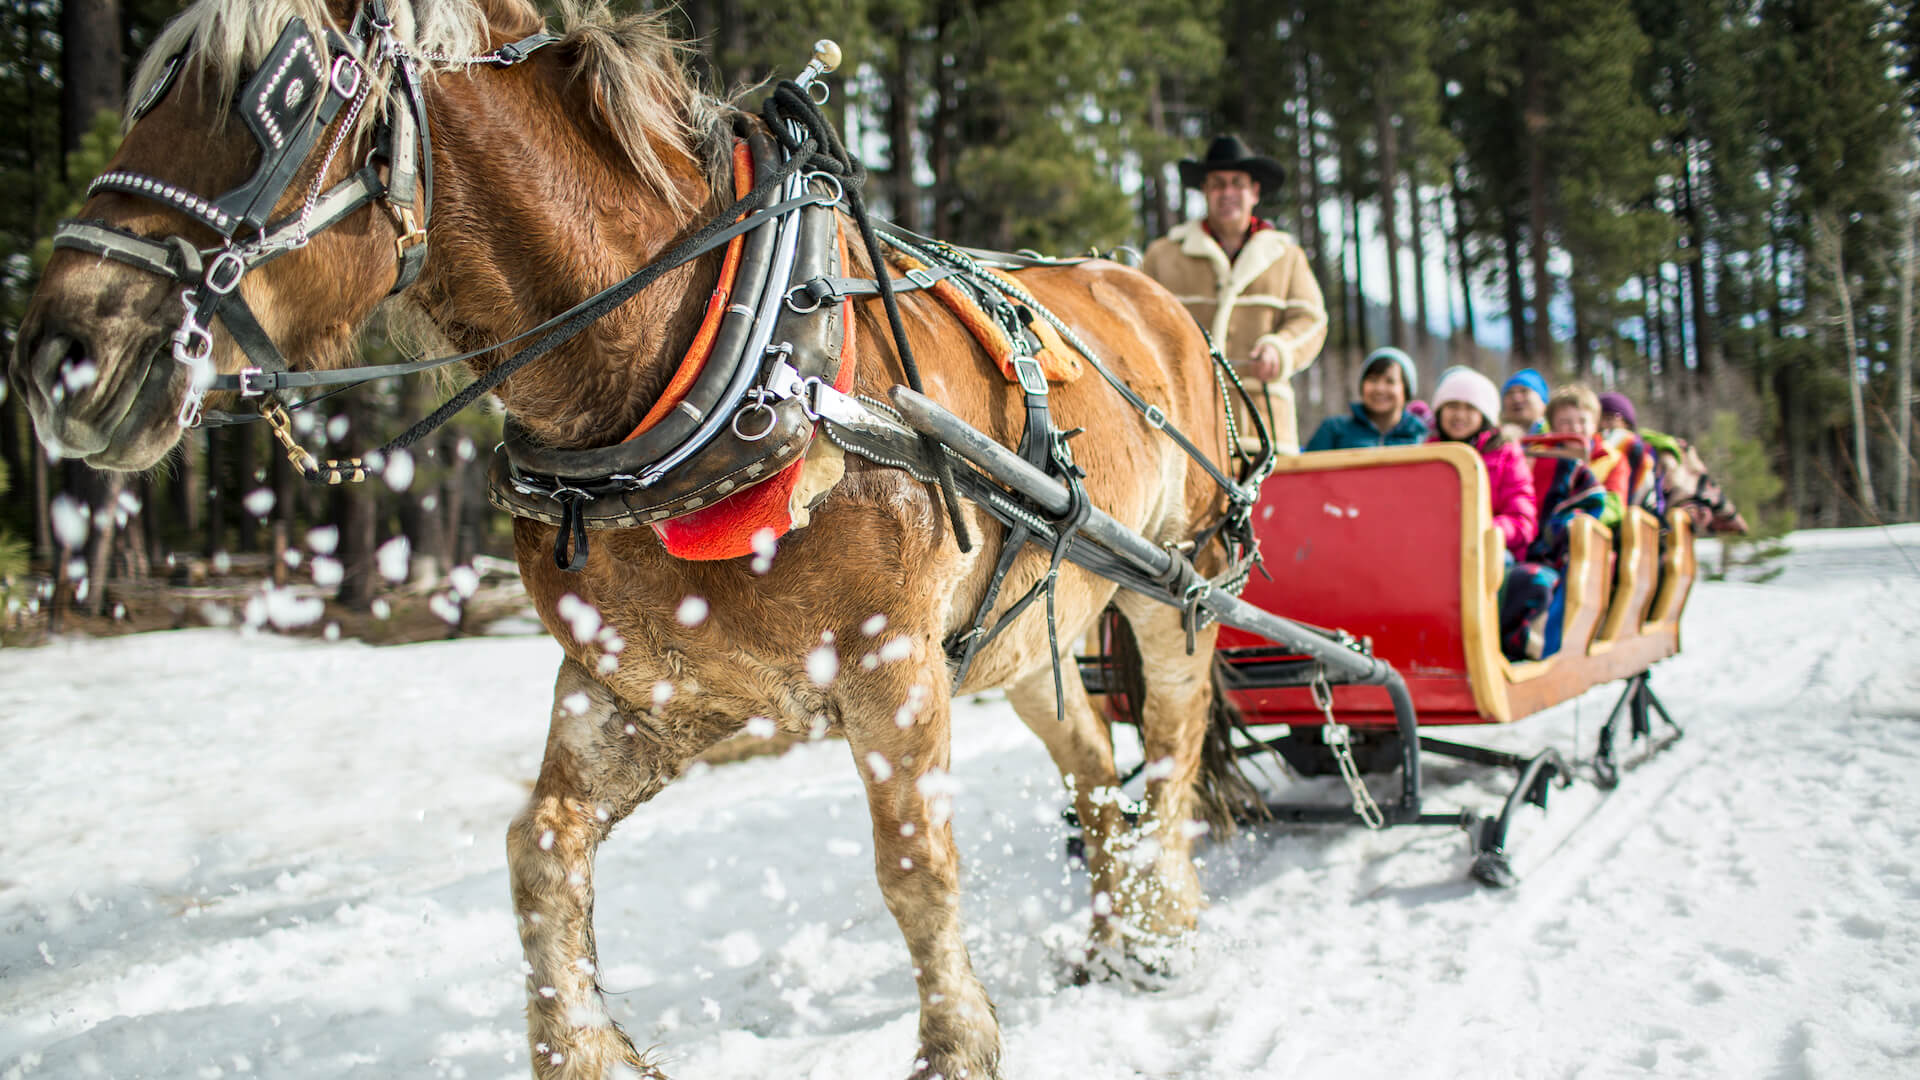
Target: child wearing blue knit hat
(1523,402)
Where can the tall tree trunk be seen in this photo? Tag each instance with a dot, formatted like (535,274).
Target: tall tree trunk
(1655,299)
(1157,202)
(91,79)
(1388,166)
(901,113)
(1582,345)
(1536,129)
(1829,229)
(1463,263)
(1705,342)
(1417,234)
(1361,335)
(1516,289)
(940,149)
(1903,363)
(217,485)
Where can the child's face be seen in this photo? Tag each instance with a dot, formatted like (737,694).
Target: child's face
(1382,393)
(1572,420)
(1458,420)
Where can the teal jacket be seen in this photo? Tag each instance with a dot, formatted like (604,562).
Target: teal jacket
(1356,432)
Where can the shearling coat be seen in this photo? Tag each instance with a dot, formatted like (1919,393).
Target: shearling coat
(1266,295)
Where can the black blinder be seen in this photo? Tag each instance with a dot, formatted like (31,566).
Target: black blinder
(286,105)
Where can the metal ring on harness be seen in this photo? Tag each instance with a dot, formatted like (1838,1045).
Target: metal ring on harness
(759,402)
(822,96)
(794,306)
(839,191)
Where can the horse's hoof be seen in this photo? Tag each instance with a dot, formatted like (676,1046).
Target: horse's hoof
(1141,962)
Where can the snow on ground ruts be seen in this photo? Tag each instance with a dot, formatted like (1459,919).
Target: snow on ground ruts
(228,855)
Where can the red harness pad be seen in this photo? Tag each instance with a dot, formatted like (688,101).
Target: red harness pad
(725,530)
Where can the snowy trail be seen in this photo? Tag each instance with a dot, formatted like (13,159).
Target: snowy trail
(250,856)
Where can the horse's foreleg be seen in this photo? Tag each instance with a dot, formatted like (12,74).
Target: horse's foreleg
(903,757)
(595,772)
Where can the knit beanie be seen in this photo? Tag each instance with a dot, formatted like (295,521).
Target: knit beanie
(1466,385)
(1530,379)
(1408,374)
(1615,402)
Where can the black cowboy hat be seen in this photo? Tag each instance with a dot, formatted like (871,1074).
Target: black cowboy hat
(1228,152)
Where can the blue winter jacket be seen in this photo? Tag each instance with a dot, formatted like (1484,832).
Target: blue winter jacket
(1356,432)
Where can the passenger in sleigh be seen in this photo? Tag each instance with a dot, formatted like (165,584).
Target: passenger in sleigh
(1623,460)
(1565,488)
(1381,416)
(1466,409)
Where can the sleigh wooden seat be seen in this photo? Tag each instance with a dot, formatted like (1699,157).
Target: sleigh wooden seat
(1396,546)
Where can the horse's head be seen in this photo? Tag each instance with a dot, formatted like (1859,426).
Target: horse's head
(248,113)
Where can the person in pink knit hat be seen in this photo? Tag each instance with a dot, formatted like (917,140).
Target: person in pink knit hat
(1466,409)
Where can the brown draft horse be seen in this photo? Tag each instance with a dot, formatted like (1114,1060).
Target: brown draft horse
(561,175)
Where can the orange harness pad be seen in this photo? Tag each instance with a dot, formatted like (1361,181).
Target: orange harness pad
(726,529)
(1057,362)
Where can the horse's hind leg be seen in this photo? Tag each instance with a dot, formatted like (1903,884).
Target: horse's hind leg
(1145,890)
(1177,708)
(902,756)
(595,772)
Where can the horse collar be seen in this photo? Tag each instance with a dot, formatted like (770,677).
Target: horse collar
(736,416)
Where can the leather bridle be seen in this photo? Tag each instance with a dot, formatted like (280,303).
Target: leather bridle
(292,99)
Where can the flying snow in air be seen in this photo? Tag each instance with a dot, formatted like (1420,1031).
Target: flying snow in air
(81,375)
(765,544)
(284,609)
(693,611)
(70,520)
(259,502)
(822,665)
(324,539)
(583,618)
(446,606)
(399,471)
(394,557)
(327,573)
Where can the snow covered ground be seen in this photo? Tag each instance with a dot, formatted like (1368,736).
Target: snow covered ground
(232,855)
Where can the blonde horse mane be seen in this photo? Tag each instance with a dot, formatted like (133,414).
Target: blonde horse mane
(635,66)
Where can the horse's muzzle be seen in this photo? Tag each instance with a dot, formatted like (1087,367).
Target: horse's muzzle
(107,405)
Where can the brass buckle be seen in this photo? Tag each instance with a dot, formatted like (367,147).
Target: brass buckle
(411,234)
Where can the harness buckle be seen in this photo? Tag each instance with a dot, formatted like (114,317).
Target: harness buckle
(1156,417)
(247,389)
(921,278)
(411,234)
(228,262)
(1026,369)
(344,65)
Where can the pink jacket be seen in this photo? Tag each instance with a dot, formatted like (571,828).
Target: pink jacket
(1510,482)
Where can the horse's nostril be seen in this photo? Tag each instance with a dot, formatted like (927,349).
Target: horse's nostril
(64,365)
